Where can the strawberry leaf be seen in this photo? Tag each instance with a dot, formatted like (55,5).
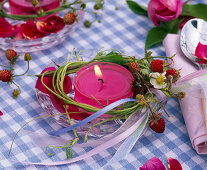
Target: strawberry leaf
(114,57)
(69,153)
(197,10)
(136,8)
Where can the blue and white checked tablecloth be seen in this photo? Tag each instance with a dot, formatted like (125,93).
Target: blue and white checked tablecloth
(122,30)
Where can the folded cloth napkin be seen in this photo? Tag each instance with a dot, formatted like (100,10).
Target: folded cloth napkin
(191,107)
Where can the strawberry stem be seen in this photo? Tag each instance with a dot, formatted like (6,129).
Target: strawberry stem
(24,72)
(25,125)
(163,108)
(17,86)
(6,66)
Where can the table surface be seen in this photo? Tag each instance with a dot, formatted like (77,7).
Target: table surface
(121,30)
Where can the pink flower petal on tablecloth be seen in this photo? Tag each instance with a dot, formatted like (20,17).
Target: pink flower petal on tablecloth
(153,164)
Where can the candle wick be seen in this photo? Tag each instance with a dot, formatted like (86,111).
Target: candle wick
(101,84)
(101,80)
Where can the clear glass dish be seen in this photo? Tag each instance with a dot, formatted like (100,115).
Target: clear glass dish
(99,130)
(41,43)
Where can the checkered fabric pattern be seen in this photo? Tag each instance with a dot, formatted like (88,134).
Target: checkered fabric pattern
(122,30)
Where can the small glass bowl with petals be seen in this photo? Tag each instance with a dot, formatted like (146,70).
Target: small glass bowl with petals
(44,42)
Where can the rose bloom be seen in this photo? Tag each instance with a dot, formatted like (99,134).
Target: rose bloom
(164,10)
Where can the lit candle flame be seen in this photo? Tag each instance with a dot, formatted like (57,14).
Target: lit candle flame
(97,70)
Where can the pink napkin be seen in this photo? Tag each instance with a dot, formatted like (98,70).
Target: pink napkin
(191,107)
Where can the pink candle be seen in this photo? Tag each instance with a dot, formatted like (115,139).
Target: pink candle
(25,7)
(113,84)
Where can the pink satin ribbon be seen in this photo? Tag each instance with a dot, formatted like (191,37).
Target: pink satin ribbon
(122,133)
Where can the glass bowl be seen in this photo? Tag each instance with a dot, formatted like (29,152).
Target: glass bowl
(41,43)
(100,130)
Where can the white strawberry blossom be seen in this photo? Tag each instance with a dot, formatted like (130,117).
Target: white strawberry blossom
(158,80)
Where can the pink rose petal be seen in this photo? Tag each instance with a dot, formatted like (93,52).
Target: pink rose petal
(153,164)
(201,52)
(170,4)
(164,10)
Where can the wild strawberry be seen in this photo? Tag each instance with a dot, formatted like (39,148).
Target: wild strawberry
(27,57)
(87,24)
(11,54)
(181,95)
(5,75)
(156,66)
(133,66)
(157,123)
(16,93)
(171,72)
(69,18)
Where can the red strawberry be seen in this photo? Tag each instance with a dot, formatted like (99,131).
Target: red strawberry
(69,18)
(171,72)
(156,66)
(5,75)
(11,54)
(157,123)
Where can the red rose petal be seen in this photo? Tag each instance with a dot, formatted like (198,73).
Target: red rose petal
(52,25)
(1,113)
(174,164)
(47,81)
(18,35)
(57,102)
(67,84)
(6,29)
(59,105)
(29,31)
(44,27)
